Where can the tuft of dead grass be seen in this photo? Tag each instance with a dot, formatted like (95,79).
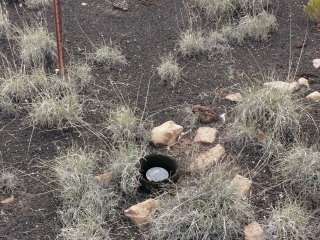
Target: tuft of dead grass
(169,70)
(300,166)
(4,22)
(37,46)
(8,180)
(290,221)
(209,209)
(55,111)
(34,4)
(267,117)
(191,42)
(123,162)
(255,27)
(85,205)
(109,55)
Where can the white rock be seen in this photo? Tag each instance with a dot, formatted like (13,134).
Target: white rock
(241,185)
(282,86)
(316,63)
(104,180)
(142,213)
(207,159)
(314,97)
(206,135)
(165,134)
(254,231)
(235,97)
(303,82)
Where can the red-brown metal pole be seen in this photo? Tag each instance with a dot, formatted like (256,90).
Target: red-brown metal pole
(59,35)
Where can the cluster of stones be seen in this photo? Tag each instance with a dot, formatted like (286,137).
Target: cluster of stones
(169,132)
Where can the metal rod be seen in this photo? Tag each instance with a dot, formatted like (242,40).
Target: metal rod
(59,36)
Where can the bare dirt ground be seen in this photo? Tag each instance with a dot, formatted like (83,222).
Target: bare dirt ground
(146,32)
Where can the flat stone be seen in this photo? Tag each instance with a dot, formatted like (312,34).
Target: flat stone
(314,97)
(282,86)
(165,134)
(254,231)
(207,159)
(206,135)
(104,180)
(235,97)
(241,185)
(316,63)
(142,213)
(303,82)
(121,4)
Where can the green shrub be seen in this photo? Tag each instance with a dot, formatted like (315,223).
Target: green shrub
(313,10)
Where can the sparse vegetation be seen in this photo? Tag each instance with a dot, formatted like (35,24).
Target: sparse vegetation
(256,27)
(8,180)
(4,22)
(124,125)
(80,74)
(169,69)
(301,168)
(290,221)
(267,114)
(208,209)
(55,111)
(38,3)
(36,45)
(227,8)
(109,55)
(124,164)
(313,10)
(191,43)
(86,205)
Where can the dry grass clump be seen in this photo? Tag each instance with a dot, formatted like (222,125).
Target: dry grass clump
(123,162)
(51,101)
(80,74)
(217,42)
(4,22)
(313,10)
(8,180)
(255,27)
(169,69)
(38,3)
(209,209)
(290,221)
(267,116)
(218,9)
(191,43)
(124,125)
(109,55)
(301,168)
(55,111)
(36,45)
(86,205)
